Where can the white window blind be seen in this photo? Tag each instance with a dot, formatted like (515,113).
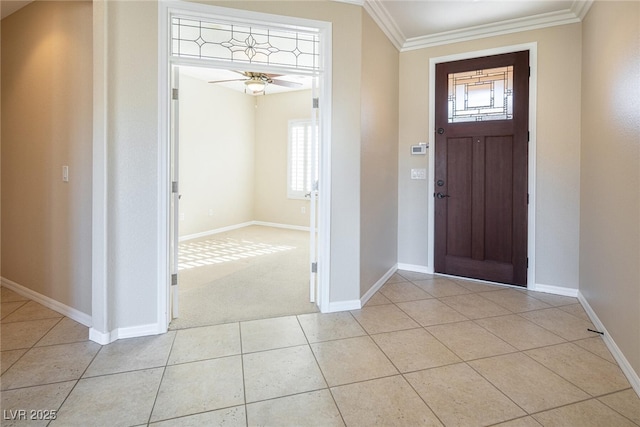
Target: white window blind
(303,158)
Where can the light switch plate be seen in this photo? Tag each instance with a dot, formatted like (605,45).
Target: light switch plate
(419,173)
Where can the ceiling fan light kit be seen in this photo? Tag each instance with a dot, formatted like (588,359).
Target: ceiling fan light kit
(255,85)
(257,82)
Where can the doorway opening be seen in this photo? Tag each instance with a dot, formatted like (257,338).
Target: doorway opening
(252,44)
(244,232)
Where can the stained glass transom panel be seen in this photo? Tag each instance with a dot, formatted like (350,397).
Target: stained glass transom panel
(192,38)
(481,95)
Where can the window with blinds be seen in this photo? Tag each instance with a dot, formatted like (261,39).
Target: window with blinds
(303,159)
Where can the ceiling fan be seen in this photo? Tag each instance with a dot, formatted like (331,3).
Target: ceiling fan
(257,82)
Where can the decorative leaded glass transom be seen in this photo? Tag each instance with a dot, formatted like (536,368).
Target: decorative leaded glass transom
(481,95)
(194,38)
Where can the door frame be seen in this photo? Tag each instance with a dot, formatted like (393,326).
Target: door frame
(533,82)
(165,9)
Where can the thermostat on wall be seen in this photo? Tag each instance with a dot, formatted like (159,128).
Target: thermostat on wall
(420,148)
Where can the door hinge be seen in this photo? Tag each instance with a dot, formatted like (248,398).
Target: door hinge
(174,186)
(529,71)
(527,198)
(174,94)
(316,103)
(174,279)
(527,262)
(314,267)
(528,136)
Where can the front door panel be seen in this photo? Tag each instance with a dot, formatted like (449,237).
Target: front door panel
(481,168)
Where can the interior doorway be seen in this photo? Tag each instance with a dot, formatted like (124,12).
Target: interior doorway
(245,183)
(216,37)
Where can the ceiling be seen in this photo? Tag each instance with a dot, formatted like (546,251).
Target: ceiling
(415,24)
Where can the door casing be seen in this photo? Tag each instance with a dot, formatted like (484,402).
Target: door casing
(531,244)
(324,198)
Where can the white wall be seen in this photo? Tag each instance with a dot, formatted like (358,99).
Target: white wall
(217,140)
(610,179)
(273,113)
(558,149)
(233,157)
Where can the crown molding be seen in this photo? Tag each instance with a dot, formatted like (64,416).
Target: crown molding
(491,30)
(581,7)
(377,11)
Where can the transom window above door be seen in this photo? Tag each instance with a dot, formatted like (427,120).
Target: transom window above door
(226,41)
(481,95)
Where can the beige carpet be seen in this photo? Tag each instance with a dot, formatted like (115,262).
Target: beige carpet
(251,273)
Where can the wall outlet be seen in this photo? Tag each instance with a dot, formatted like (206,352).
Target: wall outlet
(303,210)
(210,212)
(181,217)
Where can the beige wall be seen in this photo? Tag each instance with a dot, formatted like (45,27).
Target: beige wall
(46,123)
(557,157)
(379,157)
(217,139)
(610,180)
(273,113)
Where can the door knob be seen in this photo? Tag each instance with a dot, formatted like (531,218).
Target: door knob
(442,196)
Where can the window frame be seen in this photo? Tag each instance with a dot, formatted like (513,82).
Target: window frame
(308,149)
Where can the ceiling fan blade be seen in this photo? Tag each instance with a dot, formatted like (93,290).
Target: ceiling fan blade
(286,83)
(242,73)
(223,81)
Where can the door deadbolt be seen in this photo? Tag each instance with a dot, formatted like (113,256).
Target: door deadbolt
(440,183)
(440,131)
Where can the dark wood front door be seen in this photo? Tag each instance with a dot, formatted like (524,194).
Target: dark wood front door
(481,153)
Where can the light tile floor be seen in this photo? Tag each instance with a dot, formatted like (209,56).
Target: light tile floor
(425,350)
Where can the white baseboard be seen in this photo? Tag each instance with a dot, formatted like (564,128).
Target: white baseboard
(556,290)
(627,369)
(277,225)
(415,268)
(539,287)
(100,337)
(344,306)
(376,286)
(50,303)
(215,231)
(122,333)
(241,225)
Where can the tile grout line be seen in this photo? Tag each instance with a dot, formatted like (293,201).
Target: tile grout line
(324,378)
(76,381)
(244,383)
(164,371)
